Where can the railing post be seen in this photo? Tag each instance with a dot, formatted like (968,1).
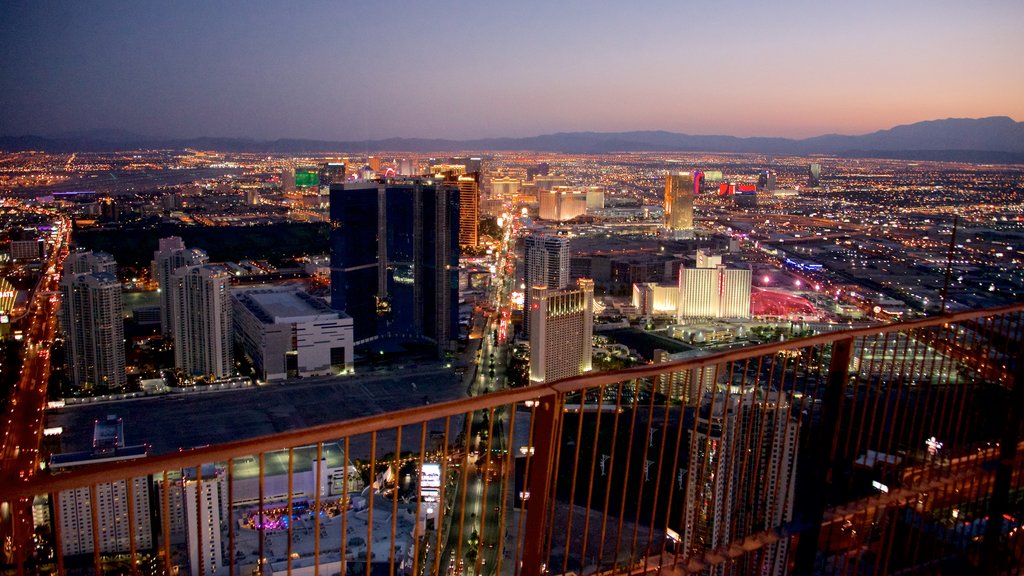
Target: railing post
(993,557)
(821,468)
(542,467)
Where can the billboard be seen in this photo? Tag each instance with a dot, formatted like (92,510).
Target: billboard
(306,178)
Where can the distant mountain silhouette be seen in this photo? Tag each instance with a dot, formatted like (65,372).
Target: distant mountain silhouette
(996,139)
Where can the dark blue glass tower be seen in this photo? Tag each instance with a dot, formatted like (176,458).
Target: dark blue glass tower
(394,259)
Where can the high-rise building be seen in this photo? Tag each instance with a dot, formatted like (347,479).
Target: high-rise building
(469,209)
(206,508)
(92,320)
(767,181)
(680,190)
(505,188)
(288,333)
(741,478)
(546,259)
(332,173)
(561,331)
(714,291)
(395,259)
(562,203)
(288,179)
(170,255)
(113,499)
(201,307)
(814,175)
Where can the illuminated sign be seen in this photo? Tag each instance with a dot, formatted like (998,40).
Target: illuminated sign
(430,476)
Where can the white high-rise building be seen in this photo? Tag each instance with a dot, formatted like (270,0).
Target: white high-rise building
(288,333)
(206,507)
(741,478)
(562,203)
(170,255)
(121,507)
(112,513)
(561,333)
(547,264)
(717,292)
(201,308)
(91,316)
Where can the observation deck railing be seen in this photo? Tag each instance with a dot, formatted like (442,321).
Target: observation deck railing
(883,450)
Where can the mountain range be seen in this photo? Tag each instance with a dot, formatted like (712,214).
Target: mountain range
(997,139)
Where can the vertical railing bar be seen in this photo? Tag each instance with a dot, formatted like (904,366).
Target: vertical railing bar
(464,473)
(905,428)
(231,524)
(628,468)
(899,354)
(783,409)
(672,489)
(853,384)
(865,380)
(520,544)
(700,465)
(441,495)
(646,442)
(261,532)
(821,473)
(58,542)
(657,484)
(508,466)
(369,500)
(133,557)
(317,510)
(1000,494)
(346,461)
(536,548)
(611,470)
(486,488)
(575,469)
(554,469)
(871,382)
(95,517)
(167,521)
(590,482)
(291,509)
(199,517)
(394,497)
(419,500)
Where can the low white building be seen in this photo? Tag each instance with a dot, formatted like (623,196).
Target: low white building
(288,333)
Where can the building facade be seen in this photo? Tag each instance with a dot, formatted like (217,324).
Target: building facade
(91,316)
(395,259)
(717,292)
(680,190)
(562,329)
(170,255)
(288,333)
(546,259)
(201,308)
(469,210)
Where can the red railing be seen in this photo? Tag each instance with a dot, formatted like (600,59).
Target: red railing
(887,449)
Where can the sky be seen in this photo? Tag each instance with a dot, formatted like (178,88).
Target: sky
(340,70)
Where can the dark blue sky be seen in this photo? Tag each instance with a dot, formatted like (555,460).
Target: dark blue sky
(355,70)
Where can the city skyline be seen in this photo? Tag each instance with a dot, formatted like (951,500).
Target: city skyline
(456,71)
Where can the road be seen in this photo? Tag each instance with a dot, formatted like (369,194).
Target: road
(475,523)
(23,423)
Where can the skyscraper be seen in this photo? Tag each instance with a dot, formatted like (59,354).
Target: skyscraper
(394,259)
(814,175)
(713,291)
(561,331)
(201,307)
(170,255)
(547,264)
(92,320)
(741,479)
(469,209)
(332,173)
(206,506)
(680,189)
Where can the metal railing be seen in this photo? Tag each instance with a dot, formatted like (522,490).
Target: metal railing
(884,450)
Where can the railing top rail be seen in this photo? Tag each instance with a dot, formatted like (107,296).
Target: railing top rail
(99,473)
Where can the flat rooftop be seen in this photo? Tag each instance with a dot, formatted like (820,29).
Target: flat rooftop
(284,305)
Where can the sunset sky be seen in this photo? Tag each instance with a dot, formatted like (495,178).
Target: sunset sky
(359,70)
